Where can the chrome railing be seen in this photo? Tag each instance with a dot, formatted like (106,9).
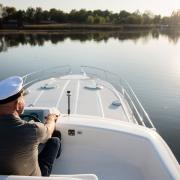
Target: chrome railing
(36,76)
(123,89)
(119,85)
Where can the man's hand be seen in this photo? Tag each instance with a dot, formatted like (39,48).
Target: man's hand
(52,117)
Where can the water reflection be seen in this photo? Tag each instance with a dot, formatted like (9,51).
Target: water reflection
(173,36)
(39,38)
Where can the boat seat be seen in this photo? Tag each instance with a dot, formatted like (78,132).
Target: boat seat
(53,177)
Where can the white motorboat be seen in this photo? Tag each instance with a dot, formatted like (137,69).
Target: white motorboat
(106,133)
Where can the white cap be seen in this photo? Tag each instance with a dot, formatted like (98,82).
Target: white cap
(10,87)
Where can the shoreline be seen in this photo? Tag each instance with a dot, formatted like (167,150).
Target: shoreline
(69,32)
(84,28)
(81,27)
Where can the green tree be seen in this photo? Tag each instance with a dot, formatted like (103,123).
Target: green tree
(38,15)
(97,12)
(20,16)
(157,19)
(148,17)
(98,16)
(133,19)
(90,20)
(72,15)
(57,15)
(30,12)
(53,14)
(45,15)
(99,20)
(122,18)
(114,18)
(165,20)
(82,16)
(9,13)
(175,17)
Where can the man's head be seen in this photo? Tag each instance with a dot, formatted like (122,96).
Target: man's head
(11,95)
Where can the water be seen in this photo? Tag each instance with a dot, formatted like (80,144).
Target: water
(150,61)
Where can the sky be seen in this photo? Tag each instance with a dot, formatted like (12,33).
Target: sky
(163,7)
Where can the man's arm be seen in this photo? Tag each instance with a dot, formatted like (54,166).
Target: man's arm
(50,123)
(45,130)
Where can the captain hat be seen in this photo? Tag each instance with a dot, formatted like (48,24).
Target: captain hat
(10,89)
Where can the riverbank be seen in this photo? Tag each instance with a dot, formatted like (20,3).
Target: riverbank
(65,32)
(101,30)
(87,27)
(104,27)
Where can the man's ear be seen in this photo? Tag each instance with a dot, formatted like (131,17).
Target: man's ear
(19,105)
(16,105)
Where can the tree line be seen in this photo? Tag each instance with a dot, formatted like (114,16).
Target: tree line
(83,16)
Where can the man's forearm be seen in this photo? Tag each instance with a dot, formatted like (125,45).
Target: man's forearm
(50,124)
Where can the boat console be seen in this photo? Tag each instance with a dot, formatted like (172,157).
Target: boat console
(38,113)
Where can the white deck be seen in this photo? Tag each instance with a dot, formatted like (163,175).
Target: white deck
(94,102)
(113,150)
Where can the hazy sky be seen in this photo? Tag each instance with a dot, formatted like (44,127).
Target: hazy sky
(164,7)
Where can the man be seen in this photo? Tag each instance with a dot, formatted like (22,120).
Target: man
(19,140)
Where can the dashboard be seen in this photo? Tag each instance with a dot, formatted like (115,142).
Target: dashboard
(39,112)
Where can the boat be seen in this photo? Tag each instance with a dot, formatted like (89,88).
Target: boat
(106,133)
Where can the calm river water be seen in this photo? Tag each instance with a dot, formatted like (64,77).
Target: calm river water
(150,61)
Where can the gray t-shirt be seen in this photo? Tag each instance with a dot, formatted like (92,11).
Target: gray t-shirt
(19,141)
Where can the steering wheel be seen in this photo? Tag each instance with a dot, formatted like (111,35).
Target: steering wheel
(30,117)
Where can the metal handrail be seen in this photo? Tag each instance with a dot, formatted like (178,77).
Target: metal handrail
(36,76)
(134,106)
(120,85)
(125,89)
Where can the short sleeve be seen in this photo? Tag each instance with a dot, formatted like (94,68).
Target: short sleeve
(41,132)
